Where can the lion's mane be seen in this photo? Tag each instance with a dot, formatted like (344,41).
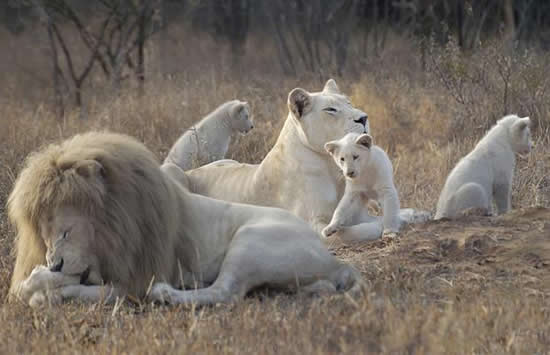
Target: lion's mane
(131,204)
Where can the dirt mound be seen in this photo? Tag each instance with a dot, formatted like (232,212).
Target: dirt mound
(473,251)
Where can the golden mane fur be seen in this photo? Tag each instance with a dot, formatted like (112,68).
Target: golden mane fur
(131,204)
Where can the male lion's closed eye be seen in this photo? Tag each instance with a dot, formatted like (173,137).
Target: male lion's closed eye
(330,110)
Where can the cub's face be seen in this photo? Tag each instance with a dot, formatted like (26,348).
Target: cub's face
(521,136)
(350,153)
(325,116)
(241,120)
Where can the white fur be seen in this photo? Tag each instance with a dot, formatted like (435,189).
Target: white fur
(486,173)
(297,174)
(208,140)
(369,175)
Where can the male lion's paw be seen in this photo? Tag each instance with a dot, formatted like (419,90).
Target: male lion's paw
(41,299)
(161,293)
(330,230)
(40,278)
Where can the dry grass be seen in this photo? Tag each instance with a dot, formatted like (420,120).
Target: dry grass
(475,286)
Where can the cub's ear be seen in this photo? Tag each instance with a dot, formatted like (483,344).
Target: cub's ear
(330,147)
(331,87)
(299,102)
(89,168)
(239,107)
(364,140)
(523,123)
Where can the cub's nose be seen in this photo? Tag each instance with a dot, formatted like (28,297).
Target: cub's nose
(362,120)
(350,174)
(57,267)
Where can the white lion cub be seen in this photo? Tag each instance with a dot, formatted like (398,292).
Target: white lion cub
(369,175)
(486,173)
(208,140)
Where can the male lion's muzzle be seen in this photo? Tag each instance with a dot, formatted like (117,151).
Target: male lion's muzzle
(56,267)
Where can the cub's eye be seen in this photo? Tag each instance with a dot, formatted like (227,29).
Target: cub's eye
(65,235)
(342,159)
(355,157)
(330,110)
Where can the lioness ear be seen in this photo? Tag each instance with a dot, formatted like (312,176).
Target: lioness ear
(331,87)
(330,147)
(89,168)
(364,140)
(299,102)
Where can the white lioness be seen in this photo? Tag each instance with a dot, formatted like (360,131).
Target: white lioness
(369,175)
(486,173)
(103,216)
(209,139)
(297,174)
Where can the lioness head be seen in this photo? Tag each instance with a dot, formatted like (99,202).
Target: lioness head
(350,152)
(240,117)
(325,116)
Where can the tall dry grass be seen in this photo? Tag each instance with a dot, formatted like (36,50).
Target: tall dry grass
(426,115)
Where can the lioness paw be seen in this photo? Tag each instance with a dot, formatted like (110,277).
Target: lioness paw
(330,230)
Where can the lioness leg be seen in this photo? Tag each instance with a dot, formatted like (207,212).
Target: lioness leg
(362,232)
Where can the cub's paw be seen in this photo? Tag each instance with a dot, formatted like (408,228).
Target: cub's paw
(161,293)
(331,229)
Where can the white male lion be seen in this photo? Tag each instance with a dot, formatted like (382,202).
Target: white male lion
(208,140)
(369,175)
(98,210)
(297,174)
(486,173)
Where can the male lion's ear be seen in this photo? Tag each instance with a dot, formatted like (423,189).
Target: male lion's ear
(330,147)
(364,140)
(331,87)
(89,168)
(299,102)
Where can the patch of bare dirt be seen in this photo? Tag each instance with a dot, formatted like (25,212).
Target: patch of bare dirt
(472,252)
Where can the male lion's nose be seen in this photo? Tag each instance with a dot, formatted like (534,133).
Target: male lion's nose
(57,267)
(362,120)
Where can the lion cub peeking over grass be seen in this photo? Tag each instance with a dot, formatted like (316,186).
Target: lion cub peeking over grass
(208,140)
(486,173)
(369,175)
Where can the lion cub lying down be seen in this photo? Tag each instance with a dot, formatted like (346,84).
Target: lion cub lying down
(208,140)
(107,220)
(486,173)
(369,175)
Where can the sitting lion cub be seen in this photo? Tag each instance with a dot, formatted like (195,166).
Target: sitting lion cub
(369,175)
(486,173)
(208,140)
